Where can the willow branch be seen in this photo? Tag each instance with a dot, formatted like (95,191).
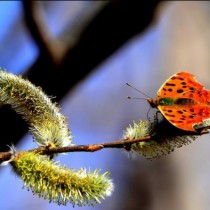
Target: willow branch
(125,144)
(5,156)
(93,147)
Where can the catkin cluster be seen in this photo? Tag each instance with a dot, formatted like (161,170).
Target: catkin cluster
(161,144)
(60,184)
(46,123)
(42,175)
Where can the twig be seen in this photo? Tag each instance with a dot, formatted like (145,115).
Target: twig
(126,143)
(5,156)
(94,147)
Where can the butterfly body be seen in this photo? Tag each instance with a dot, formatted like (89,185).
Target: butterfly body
(184,102)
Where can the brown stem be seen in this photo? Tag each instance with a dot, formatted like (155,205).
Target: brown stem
(4,156)
(125,143)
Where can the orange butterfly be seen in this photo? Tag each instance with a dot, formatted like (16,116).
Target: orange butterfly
(184,102)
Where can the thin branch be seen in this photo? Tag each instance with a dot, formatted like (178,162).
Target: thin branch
(126,144)
(94,147)
(5,156)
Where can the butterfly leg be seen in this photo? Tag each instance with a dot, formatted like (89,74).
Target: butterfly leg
(156,118)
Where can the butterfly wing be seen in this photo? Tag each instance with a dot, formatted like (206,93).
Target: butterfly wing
(195,112)
(187,118)
(184,85)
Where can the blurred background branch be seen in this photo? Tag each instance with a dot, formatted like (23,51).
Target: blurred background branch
(56,47)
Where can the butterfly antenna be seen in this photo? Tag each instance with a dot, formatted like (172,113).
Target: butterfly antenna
(128,84)
(129,97)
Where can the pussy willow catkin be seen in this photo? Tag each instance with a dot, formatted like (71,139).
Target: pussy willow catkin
(46,123)
(59,184)
(154,148)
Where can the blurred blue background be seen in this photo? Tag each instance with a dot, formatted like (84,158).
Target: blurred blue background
(98,111)
(21,51)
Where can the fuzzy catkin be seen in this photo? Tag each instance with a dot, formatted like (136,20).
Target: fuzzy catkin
(152,149)
(59,184)
(46,123)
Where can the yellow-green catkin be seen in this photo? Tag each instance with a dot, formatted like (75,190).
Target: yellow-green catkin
(152,149)
(46,123)
(59,184)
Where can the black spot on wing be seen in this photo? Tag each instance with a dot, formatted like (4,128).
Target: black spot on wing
(192,116)
(180,91)
(170,84)
(192,110)
(183,83)
(169,115)
(192,89)
(180,112)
